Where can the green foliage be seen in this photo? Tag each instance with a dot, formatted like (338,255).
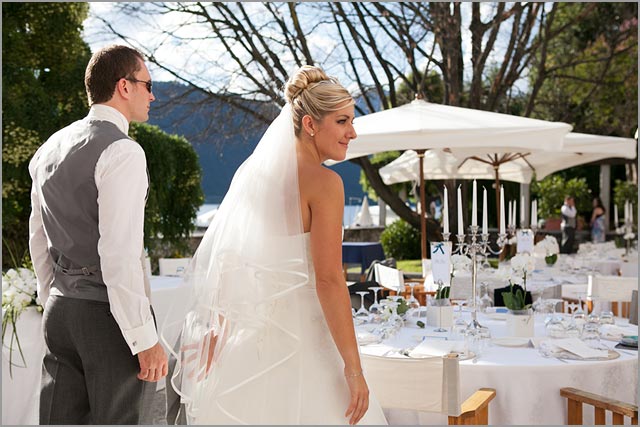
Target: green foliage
(401,241)
(379,160)
(175,193)
(443,291)
(514,299)
(43,61)
(592,72)
(622,191)
(552,190)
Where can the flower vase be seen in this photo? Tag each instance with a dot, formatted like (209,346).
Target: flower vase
(440,314)
(551,259)
(520,323)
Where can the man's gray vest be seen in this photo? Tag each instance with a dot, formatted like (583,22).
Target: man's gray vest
(69,206)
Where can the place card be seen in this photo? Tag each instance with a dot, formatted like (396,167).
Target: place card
(441,262)
(524,241)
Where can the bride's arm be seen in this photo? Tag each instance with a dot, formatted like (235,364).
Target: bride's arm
(327,208)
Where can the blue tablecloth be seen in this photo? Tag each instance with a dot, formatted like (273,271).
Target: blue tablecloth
(363,253)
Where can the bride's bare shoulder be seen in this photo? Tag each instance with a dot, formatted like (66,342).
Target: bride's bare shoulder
(318,180)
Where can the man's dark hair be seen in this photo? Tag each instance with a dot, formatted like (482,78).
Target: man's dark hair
(106,67)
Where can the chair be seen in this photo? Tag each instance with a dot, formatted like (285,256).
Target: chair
(614,289)
(173,266)
(389,277)
(575,399)
(434,387)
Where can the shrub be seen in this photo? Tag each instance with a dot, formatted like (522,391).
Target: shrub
(401,241)
(623,191)
(552,190)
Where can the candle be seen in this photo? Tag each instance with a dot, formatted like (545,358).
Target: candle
(474,205)
(502,226)
(460,225)
(510,212)
(534,213)
(515,210)
(484,211)
(445,212)
(630,213)
(522,211)
(626,211)
(615,215)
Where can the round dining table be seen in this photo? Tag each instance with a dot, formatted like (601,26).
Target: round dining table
(527,383)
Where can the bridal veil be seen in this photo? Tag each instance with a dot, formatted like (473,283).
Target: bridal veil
(250,260)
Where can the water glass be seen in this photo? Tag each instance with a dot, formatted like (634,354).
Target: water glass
(591,334)
(606,318)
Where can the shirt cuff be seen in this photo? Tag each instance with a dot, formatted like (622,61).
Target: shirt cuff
(141,338)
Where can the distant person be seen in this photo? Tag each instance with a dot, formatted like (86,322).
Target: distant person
(597,221)
(86,240)
(435,208)
(568,225)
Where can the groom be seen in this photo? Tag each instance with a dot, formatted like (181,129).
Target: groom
(86,242)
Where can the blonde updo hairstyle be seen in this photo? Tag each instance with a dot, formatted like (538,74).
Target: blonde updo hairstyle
(311,91)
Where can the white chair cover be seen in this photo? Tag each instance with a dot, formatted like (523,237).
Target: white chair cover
(390,278)
(433,383)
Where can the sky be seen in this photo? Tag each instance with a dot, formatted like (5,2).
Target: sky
(198,58)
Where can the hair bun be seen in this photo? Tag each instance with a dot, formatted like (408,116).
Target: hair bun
(304,77)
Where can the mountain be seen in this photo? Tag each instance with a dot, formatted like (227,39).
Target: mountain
(221,137)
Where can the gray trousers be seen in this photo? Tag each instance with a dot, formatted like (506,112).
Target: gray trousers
(89,373)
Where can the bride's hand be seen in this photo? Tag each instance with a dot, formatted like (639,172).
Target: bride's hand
(359,397)
(207,348)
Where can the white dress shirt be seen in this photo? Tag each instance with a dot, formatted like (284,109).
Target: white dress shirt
(569,212)
(121,179)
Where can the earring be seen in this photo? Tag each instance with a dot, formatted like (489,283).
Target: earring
(312,134)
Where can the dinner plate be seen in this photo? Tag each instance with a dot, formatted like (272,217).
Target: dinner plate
(511,341)
(629,340)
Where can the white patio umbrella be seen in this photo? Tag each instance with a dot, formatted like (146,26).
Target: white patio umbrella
(363,218)
(578,148)
(421,125)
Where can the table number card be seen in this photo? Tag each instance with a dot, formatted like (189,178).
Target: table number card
(441,262)
(525,241)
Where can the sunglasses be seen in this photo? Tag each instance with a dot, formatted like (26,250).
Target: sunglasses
(148,83)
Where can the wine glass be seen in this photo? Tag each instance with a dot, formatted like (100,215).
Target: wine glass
(413,302)
(375,309)
(362,312)
(554,327)
(579,316)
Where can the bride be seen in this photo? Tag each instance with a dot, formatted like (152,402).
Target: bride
(269,338)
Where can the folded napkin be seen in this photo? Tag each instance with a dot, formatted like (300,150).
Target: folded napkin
(579,348)
(430,348)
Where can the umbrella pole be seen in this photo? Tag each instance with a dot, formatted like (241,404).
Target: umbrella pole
(423,212)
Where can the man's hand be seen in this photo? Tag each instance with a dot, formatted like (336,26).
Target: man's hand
(153,363)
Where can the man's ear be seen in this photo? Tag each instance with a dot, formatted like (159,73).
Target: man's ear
(123,88)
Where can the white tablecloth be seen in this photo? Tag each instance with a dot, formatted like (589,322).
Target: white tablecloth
(21,393)
(527,385)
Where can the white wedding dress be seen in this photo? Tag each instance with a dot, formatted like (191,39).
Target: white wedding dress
(253,286)
(319,381)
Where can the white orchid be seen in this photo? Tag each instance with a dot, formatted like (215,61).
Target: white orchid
(18,292)
(521,265)
(550,245)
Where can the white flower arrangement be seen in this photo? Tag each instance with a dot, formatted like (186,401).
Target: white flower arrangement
(18,293)
(550,245)
(459,263)
(522,265)
(629,236)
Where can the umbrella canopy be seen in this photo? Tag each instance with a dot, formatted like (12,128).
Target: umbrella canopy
(421,125)
(363,218)
(578,148)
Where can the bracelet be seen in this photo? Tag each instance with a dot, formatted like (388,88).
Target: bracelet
(357,374)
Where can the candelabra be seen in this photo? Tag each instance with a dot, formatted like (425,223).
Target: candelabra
(472,249)
(627,231)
